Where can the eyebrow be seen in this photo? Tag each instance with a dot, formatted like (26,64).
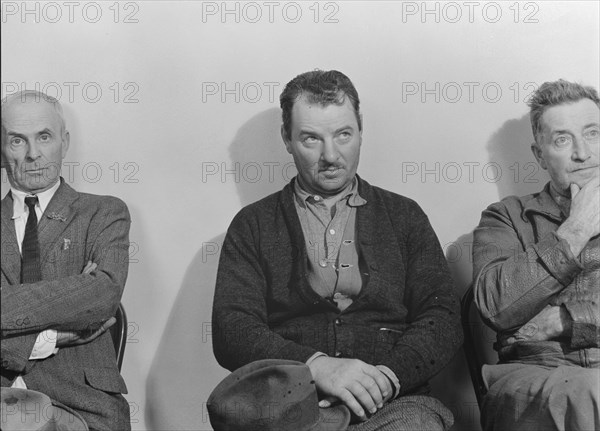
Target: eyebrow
(338,130)
(559,131)
(21,135)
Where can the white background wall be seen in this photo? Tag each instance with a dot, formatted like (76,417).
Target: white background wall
(443,89)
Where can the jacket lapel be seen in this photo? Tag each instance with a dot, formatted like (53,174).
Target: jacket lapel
(11,257)
(56,218)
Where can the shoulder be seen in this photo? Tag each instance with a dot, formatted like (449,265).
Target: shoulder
(387,200)
(104,201)
(98,204)
(266,207)
(513,205)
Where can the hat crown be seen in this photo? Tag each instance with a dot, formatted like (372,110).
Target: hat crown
(265,395)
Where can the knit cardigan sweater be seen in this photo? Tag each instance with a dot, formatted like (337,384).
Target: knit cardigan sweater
(406,316)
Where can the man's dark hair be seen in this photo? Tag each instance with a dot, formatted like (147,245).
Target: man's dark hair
(318,86)
(556,93)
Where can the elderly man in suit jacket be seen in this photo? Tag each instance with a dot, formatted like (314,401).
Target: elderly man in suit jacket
(64,266)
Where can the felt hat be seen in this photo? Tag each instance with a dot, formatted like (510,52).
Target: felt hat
(272,395)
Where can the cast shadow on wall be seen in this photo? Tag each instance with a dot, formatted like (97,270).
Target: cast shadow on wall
(184,370)
(516,172)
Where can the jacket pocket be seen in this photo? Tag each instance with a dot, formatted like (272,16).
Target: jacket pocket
(105,379)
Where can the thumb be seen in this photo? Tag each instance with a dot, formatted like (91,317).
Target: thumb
(574,190)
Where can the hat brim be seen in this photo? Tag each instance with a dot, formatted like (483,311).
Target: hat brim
(335,418)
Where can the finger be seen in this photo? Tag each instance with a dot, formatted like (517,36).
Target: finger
(574,190)
(89,267)
(363,395)
(380,379)
(328,402)
(374,392)
(351,402)
(108,324)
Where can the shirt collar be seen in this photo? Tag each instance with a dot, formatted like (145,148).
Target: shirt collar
(19,196)
(350,193)
(542,203)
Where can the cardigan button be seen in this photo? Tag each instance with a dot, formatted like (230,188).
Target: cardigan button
(338,322)
(338,354)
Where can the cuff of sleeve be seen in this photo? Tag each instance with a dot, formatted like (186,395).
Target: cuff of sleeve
(315,356)
(392,378)
(585,329)
(45,345)
(558,258)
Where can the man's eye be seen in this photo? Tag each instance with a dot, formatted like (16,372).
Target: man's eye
(562,141)
(311,140)
(591,134)
(345,136)
(45,137)
(17,141)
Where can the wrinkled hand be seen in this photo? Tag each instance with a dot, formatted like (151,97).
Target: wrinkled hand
(75,338)
(550,323)
(583,222)
(360,386)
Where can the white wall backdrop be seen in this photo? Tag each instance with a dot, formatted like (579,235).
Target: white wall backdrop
(173,107)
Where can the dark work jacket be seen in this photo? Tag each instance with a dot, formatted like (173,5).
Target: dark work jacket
(406,316)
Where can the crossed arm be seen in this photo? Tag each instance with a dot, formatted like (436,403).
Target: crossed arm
(515,284)
(80,306)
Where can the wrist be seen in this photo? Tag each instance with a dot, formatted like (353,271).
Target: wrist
(575,235)
(566,321)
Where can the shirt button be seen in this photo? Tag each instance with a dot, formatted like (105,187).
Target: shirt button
(323,263)
(317,198)
(332,231)
(338,322)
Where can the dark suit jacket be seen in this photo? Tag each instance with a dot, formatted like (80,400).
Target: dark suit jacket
(74,229)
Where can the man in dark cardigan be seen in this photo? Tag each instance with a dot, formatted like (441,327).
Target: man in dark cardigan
(341,275)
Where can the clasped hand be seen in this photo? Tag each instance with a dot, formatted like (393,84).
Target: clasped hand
(360,386)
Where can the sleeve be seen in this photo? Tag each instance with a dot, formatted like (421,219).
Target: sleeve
(241,333)
(435,332)
(16,352)
(586,323)
(76,302)
(513,282)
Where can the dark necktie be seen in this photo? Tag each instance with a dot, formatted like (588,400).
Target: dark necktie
(30,250)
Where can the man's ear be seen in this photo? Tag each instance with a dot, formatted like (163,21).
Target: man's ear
(286,141)
(66,141)
(361,127)
(539,155)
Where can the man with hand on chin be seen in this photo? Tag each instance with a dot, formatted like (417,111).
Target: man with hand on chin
(64,266)
(341,275)
(537,275)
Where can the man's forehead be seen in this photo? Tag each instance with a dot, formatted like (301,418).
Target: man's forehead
(565,115)
(22,112)
(306,112)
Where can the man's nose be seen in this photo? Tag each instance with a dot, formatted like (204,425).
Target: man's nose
(581,150)
(33,151)
(330,152)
